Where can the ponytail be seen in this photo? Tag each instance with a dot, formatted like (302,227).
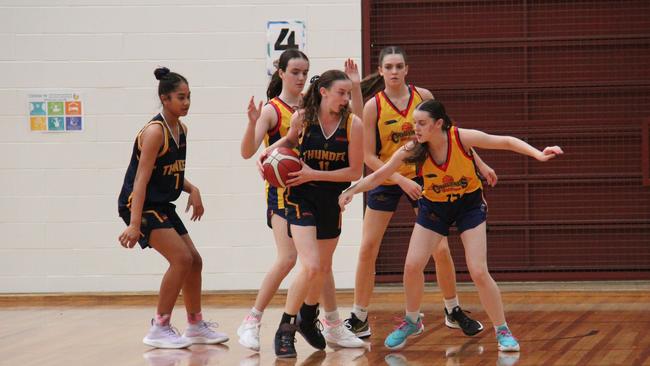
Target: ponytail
(371,85)
(275,86)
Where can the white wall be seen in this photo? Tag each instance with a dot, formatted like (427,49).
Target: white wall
(58,192)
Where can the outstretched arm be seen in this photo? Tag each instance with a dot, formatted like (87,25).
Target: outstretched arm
(373,180)
(476,138)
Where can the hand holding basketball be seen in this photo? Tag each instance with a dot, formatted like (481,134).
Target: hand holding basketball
(278,166)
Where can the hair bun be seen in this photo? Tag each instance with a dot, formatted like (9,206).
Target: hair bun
(161,72)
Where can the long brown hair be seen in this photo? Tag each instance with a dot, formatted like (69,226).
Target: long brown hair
(311,100)
(275,85)
(374,83)
(436,111)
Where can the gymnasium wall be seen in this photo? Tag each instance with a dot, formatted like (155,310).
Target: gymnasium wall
(58,191)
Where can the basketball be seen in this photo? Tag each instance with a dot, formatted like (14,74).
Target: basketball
(277,166)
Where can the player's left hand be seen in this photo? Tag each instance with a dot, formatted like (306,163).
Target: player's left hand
(549,153)
(304,175)
(194,201)
(344,199)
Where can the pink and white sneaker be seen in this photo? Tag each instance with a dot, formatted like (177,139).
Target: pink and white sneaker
(204,333)
(165,336)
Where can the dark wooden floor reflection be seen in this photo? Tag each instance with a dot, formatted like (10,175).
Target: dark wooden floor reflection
(554,328)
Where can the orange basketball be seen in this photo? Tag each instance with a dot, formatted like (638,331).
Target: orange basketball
(277,166)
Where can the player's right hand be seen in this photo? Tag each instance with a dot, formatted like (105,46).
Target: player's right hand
(130,236)
(411,188)
(260,161)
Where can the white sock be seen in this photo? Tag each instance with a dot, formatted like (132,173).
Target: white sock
(413,316)
(254,313)
(496,327)
(360,312)
(450,304)
(332,316)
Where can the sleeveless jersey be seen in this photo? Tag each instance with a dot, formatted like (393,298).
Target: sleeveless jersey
(455,177)
(283,112)
(321,152)
(395,128)
(168,175)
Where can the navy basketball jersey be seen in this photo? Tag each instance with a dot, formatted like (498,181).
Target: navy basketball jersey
(322,152)
(168,175)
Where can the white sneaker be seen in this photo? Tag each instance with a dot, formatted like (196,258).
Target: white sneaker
(203,333)
(165,336)
(336,333)
(249,333)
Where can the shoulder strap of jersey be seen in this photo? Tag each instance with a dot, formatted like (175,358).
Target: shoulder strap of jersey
(165,145)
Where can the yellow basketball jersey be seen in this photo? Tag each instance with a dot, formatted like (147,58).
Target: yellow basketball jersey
(275,196)
(283,112)
(455,177)
(395,128)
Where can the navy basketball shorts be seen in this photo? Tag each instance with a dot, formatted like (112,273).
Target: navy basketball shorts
(308,205)
(156,217)
(386,198)
(272,204)
(467,212)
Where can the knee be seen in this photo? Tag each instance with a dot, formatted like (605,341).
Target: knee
(441,252)
(313,271)
(287,262)
(182,262)
(412,269)
(479,273)
(197,262)
(368,251)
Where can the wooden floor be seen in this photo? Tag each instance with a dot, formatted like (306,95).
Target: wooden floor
(579,326)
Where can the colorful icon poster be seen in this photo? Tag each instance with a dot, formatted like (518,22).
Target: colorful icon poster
(55,112)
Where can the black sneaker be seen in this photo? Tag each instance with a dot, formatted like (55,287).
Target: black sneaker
(310,329)
(285,338)
(356,326)
(458,320)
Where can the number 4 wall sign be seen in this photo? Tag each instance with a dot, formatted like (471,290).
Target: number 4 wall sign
(55,112)
(281,36)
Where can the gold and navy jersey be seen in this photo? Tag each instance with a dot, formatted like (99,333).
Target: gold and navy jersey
(329,153)
(283,111)
(274,195)
(168,175)
(395,128)
(455,177)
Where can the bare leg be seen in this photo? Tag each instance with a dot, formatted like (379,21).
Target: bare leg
(328,293)
(445,270)
(284,263)
(423,242)
(375,223)
(192,285)
(168,243)
(475,243)
(311,274)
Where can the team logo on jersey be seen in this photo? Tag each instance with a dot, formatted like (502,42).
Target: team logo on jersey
(406,134)
(390,122)
(450,185)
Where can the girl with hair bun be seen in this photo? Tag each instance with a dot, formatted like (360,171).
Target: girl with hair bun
(154,179)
